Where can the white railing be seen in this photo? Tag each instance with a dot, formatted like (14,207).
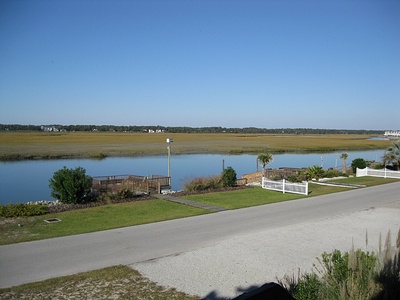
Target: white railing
(285,186)
(378,173)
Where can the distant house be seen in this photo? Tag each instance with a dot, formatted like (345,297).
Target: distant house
(392,133)
(155,131)
(49,128)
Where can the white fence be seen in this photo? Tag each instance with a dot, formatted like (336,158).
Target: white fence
(285,186)
(378,173)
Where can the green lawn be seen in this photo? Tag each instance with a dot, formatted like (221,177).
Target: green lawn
(93,219)
(258,196)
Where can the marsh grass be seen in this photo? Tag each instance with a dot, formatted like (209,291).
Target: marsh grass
(118,282)
(30,145)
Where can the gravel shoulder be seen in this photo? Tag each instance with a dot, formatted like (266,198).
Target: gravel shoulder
(232,266)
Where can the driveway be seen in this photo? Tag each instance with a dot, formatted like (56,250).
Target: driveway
(217,254)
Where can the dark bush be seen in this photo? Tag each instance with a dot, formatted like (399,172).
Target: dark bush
(23,210)
(71,186)
(229,177)
(358,163)
(331,173)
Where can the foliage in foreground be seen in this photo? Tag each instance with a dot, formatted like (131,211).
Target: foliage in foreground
(350,276)
(23,210)
(71,186)
(117,282)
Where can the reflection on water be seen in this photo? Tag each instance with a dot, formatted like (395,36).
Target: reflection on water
(28,180)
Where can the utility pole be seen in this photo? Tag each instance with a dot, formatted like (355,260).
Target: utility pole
(169,141)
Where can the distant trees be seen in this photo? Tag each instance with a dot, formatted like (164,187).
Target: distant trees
(392,155)
(71,186)
(264,159)
(185,129)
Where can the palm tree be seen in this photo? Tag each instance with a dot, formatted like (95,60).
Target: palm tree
(265,159)
(315,172)
(392,155)
(344,157)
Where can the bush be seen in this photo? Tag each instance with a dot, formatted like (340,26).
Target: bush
(23,210)
(331,173)
(349,275)
(71,186)
(203,184)
(229,177)
(358,163)
(110,197)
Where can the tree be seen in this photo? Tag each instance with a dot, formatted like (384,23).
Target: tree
(344,158)
(264,159)
(229,177)
(358,163)
(392,155)
(71,185)
(315,172)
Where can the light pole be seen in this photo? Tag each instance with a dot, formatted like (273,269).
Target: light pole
(169,141)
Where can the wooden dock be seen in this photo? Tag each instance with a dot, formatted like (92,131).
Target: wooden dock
(142,184)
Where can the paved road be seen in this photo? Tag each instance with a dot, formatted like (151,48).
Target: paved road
(39,260)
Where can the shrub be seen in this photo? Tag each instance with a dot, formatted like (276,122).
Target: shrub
(296,178)
(203,183)
(23,210)
(358,163)
(331,173)
(71,186)
(229,177)
(315,172)
(121,194)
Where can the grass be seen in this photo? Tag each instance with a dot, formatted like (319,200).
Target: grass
(118,282)
(92,219)
(31,145)
(258,196)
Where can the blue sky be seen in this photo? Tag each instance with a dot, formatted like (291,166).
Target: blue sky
(268,64)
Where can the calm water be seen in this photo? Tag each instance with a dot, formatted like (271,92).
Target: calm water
(28,180)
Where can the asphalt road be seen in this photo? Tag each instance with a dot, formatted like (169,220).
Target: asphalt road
(39,260)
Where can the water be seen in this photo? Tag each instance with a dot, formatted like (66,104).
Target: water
(24,181)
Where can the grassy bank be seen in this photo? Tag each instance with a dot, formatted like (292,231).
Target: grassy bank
(36,145)
(117,282)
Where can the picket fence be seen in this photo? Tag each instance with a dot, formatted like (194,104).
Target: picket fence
(285,186)
(377,173)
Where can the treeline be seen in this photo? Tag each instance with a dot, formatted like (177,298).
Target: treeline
(180,129)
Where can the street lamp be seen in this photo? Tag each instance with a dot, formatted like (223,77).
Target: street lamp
(169,141)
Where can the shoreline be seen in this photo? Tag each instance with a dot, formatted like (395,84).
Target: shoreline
(29,157)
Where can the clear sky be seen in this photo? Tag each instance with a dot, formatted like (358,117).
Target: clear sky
(268,64)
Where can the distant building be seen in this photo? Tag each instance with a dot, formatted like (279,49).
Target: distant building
(155,131)
(392,133)
(49,128)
